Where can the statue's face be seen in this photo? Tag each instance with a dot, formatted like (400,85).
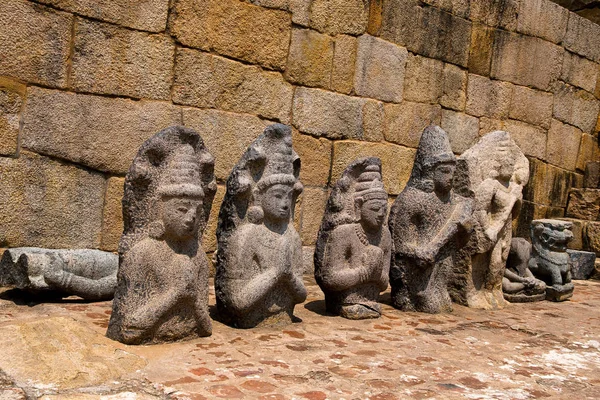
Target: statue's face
(277,203)
(443,175)
(372,213)
(180,217)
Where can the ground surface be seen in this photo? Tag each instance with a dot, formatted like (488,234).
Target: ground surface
(526,351)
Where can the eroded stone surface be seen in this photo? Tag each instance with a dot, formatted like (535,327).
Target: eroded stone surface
(518,284)
(582,263)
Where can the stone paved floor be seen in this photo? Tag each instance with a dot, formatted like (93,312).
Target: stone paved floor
(527,351)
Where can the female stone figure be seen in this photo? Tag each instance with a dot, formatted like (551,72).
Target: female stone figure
(259,256)
(162,292)
(352,256)
(429,223)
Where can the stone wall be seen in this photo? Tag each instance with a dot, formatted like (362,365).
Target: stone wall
(84,82)
(589,9)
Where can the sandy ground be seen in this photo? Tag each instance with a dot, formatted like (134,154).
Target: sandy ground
(525,351)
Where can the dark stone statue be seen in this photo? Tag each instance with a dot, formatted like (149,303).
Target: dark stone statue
(352,256)
(89,274)
(519,285)
(162,292)
(429,223)
(549,258)
(259,257)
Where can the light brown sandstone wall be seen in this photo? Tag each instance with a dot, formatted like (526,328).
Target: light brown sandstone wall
(83,83)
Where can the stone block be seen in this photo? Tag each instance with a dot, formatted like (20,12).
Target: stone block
(580,72)
(578,229)
(380,68)
(592,237)
(588,151)
(462,130)
(373,121)
(557,185)
(321,113)
(517,58)
(279,4)
(344,64)
(10,114)
(147,15)
(111,60)
(49,204)
(498,14)
(309,62)
(544,19)
(563,145)
(487,125)
(583,37)
(531,139)
(99,132)
(480,50)
(35,43)
(532,106)
(339,16)
(529,212)
(457,7)
(582,264)
(454,90)
(489,98)
(424,80)
(209,237)
(405,122)
(584,204)
(591,178)
(576,107)
(396,161)
(316,159)
(308,260)
(112,215)
(233,28)
(535,190)
(427,31)
(226,134)
(300,10)
(313,207)
(208,81)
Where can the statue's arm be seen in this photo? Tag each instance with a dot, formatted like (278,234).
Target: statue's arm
(338,274)
(296,280)
(404,230)
(512,276)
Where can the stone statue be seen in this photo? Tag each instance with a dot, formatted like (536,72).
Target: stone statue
(162,292)
(429,223)
(519,285)
(352,255)
(493,172)
(89,274)
(259,257)
(549,258)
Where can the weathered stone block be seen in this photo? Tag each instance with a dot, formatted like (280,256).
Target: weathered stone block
(578,230)
(209,237)
(583,37)
(339,16)
(532,106)
(147,15)
(480,51)
(309,62)
(316,158)
(373,121)
(543,19)
(225,134)
(423,81)
(428,31)
(112,215)
(379,69)
(582,264)
(457,7)
(454,90)
(584,204)
(344,64)
(558,183)
(531,139)
(563,145)
(592,237)
(111,60)
(300,10)
(88,129)
(49,204)
(10,115)
(487,125)
(279,4)
(234,28)
(405,122)
(489,98)
(328,114)
(208,81)
(529,212)
(588,151)
(580,72)
(396,161)
(35,43)
(516,59)
(591,178)
(462,130)
(313,207)
(501,14)
(576,107)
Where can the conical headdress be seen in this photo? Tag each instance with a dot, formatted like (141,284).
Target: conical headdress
(434,148)
(181,175)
